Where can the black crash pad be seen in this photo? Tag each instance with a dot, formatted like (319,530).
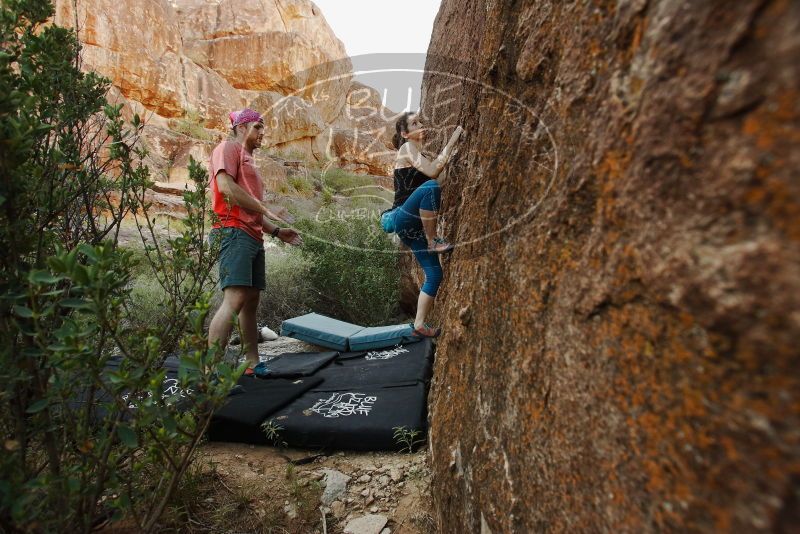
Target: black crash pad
(239,420)
(294,365)
(358,419)
(170,388)
(401,365)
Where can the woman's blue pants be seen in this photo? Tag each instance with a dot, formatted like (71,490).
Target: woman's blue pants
(408,226)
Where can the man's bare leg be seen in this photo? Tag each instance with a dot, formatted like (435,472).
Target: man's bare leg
(233,300)
(249,327)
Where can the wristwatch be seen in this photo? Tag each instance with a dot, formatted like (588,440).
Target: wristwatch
(274,233)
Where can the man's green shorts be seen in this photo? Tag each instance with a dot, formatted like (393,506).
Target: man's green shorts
(241,258)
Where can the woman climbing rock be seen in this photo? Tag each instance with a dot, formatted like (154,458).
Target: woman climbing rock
(416,206)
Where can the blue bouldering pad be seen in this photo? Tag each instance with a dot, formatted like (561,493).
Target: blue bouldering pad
(320,330)
(380,337)
(339,335)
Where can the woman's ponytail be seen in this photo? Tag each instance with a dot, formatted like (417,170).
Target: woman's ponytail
(397,141)
(402,127)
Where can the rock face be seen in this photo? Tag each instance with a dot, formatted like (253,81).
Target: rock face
(622,308)
(269,45)
(183,65)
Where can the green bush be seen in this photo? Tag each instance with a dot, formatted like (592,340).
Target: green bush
(66,293)
(353,267)
(302,185)
(192,125)
(289,292)
(150,306)
(342,182)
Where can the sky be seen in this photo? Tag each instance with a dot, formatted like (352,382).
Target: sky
(369,27)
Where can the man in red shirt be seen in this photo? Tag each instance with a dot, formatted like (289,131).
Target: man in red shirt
(237,196)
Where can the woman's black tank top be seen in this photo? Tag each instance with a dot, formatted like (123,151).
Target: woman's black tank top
(406,180)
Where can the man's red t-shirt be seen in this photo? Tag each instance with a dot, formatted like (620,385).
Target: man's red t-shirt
(231,157)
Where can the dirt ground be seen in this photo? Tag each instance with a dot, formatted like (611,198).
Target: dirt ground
(246,488)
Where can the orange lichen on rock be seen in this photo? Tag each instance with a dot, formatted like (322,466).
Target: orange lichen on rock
(630,362)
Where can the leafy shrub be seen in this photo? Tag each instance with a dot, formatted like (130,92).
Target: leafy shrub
(289,292)
(345,183)
(65,296)
(147,302)
(353,267)
(302,185)
(192,125)
(150,305)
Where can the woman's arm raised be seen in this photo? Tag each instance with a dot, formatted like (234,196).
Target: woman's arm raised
(432,169)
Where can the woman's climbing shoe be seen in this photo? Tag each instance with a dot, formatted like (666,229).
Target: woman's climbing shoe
(440,246)
(426,331)
(249,372)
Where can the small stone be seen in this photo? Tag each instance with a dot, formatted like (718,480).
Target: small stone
(374,509)
(396,474)
(384,480)
(387,530)
(290,510)
(368,524)
(370,500)
(337,509)
(365,493)
(335,486)
(401,484)
(364,478)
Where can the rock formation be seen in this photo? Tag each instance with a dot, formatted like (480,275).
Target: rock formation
(622,309)
(183,65)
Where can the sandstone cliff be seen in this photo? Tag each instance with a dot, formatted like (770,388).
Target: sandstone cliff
(183,65)
(622,310)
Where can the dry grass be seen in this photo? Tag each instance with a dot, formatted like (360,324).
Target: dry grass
(209,501)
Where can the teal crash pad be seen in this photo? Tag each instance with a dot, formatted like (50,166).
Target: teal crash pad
(381,337)
(320,330)
(339,335)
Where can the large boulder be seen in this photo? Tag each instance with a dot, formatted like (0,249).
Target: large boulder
(287,117)
(364,111)
(183,65)
(621,308)
(144,58)
(269,45)
(344,147)
(141,57)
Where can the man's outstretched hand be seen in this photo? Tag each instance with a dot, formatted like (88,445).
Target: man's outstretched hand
(290,236)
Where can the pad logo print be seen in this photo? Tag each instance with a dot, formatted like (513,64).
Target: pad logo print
(344,405)
(171,389)
(385,354)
